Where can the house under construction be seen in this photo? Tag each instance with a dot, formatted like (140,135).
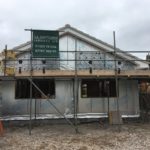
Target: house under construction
(89,79)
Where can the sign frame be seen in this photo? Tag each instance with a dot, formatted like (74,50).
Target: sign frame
(45,44)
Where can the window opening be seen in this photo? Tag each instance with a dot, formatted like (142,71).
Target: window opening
(98,88)
(22,88)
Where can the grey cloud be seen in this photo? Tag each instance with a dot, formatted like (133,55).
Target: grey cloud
(99,18)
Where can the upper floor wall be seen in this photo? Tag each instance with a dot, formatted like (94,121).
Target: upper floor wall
(73,52)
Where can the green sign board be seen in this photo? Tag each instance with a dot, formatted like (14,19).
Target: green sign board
(45,44)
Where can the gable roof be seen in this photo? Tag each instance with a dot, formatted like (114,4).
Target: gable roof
(67,29)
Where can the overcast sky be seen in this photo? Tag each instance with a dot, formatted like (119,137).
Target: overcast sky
(99,18)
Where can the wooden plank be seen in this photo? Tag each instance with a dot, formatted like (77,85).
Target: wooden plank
(135,73)
(51,73)
(85,73)
(66,73)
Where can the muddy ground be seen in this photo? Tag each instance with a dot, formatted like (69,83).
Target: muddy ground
(93,136)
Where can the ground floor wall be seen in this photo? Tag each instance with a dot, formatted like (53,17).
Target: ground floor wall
(128,100)
(64,100)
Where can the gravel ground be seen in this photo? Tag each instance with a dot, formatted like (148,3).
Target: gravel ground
(90,137)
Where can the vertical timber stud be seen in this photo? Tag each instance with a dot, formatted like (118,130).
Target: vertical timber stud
(76,90)
(116,80)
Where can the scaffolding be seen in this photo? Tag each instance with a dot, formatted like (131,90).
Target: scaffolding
(87,64)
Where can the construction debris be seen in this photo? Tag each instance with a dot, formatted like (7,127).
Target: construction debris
(91,137)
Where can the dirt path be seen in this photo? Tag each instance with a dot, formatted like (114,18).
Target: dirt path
(91,137)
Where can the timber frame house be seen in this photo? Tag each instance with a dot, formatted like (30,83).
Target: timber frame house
(89,79)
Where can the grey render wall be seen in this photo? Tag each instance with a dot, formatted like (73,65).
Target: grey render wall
(128,100)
